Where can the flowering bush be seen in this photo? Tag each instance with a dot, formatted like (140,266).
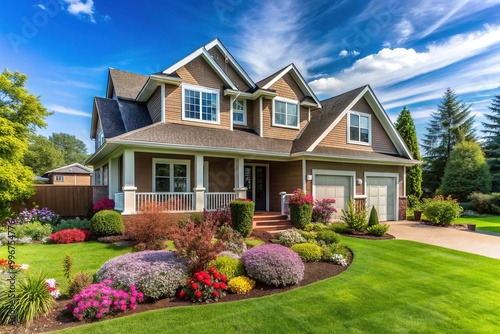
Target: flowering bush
(100,299)
(205,286)
(241,285)
(43,215)
(290,237)
(221,216)
(273,264)
(299,198)
(233,240)
(442,211)
(339,259)
(52,285)
(156,273)
(323,210)
(228,266)
(69,236)
(5,267)
(104,204)
(300,208)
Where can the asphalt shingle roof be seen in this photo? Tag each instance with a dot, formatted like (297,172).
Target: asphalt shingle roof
(127,84)
(135,115)
(109,114)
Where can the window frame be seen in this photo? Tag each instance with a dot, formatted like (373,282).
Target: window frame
(172,162)
(287,101)
(244,112)
(370,130)
(59,178)
(100,139)
(200,90)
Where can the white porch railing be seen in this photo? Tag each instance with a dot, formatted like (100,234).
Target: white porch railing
(285,209)
(174,202)
(118,201)
(214,201)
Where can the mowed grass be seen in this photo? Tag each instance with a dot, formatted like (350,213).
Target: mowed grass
(87,257)
(392,286)
(487,223)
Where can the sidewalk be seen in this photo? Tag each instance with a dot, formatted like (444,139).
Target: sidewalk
(462,240)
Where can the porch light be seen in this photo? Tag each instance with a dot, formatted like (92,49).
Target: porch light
(359,182)
(309,177)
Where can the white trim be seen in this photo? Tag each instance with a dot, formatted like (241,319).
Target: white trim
(59,178)
(351,174)
(304,181)
(206,180)
(404,180)
(370,130)
(171,162)
(261,118)
(162,103)
(395,176)
(287,101)
(244,111)
(231,111)
(200,89)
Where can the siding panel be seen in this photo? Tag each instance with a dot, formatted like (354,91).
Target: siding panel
(154,106)
(283,176)
(228,69)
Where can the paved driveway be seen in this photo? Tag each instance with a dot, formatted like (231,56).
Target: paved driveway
(463,240)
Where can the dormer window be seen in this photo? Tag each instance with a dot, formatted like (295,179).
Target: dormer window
(286,113)
(240,112)
(359,125)
(200,104)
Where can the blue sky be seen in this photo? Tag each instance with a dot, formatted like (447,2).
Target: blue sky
(408,51)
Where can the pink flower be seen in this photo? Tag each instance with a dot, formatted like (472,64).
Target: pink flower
(123,307)
(98,315)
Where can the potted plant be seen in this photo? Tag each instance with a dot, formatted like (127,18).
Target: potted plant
(301,206)
(417,212)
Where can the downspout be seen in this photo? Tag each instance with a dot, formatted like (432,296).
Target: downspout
(304,183)
(261,126)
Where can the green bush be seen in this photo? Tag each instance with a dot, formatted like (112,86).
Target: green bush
(338,227)
(228,266)
(412,202)
(328,236)
(71,224)
(78,283)
(441,211)
(314,227)
(329,250)
(309,236)
(300,215)
(34,230)
(308,252)
(242,216)
(290,237)
(32,299)
(373,220)
(485,203)
(105,223)
(378,230)
(355,218)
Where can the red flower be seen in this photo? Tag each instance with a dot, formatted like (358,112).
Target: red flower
(199,278)
(182,295)
(212,269)
(223,286)
(194,286)
(216,275)
(223,278)
(216,293)
(197,294)
(216,285)
(208,282)
(206,275)
(188,281)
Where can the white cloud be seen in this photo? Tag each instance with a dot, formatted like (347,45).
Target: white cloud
(81,8)
(343,53)
(405,29)
(66,110)
(42,7)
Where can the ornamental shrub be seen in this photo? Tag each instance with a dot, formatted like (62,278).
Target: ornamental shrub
(221,216)
(101,299)
(442,211)
(338,227)
(205,286)
(355,218)
(242,216)
(72,223)
(323,210)
(330,250)
(373,220)
(289,238)
(301,205)
(273,264)
(106,223)
(104,204)
(328,236)
(241,285)
(378,230)
(308,252)
(232,239)
(228,266)
(43,215)
(485,203)
(34,230)
(314,227)
(79,282)
(156,273)
(68,236)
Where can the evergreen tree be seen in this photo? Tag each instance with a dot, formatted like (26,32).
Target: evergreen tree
(450,125)
(406,128)
(492,142)
(466,172)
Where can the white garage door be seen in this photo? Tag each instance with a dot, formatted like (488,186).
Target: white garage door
(381,192)
(333,186)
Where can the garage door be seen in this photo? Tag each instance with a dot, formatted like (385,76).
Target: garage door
(381,193)
(333,186)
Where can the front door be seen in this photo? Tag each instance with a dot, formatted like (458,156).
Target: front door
(255,182)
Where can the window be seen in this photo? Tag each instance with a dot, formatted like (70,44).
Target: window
(60,178)
(97,177)
(359,128)
(200,104)
(170,175)
(286,113)
(105,175)
(100,139)
(240,112)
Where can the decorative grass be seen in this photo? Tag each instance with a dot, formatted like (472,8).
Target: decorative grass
(392,286)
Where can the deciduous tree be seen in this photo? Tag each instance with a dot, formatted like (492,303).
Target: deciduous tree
(42,155)
(72,148)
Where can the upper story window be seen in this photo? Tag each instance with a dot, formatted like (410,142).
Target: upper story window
(100,139)
(286,113)
(359,128)
(59,177)
(200,104)
(170,175)
(240,112)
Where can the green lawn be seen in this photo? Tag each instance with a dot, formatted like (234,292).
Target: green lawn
(87,257)
(392,286)
(487,223)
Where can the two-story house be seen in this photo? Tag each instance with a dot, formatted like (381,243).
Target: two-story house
(202,132)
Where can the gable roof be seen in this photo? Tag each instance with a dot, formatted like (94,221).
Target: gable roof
(127,85)
(75,168)
(266,83)
(108,112)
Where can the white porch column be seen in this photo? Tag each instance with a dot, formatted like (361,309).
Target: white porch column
(114,175)
(129,187)
(239,178)
(199,190)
